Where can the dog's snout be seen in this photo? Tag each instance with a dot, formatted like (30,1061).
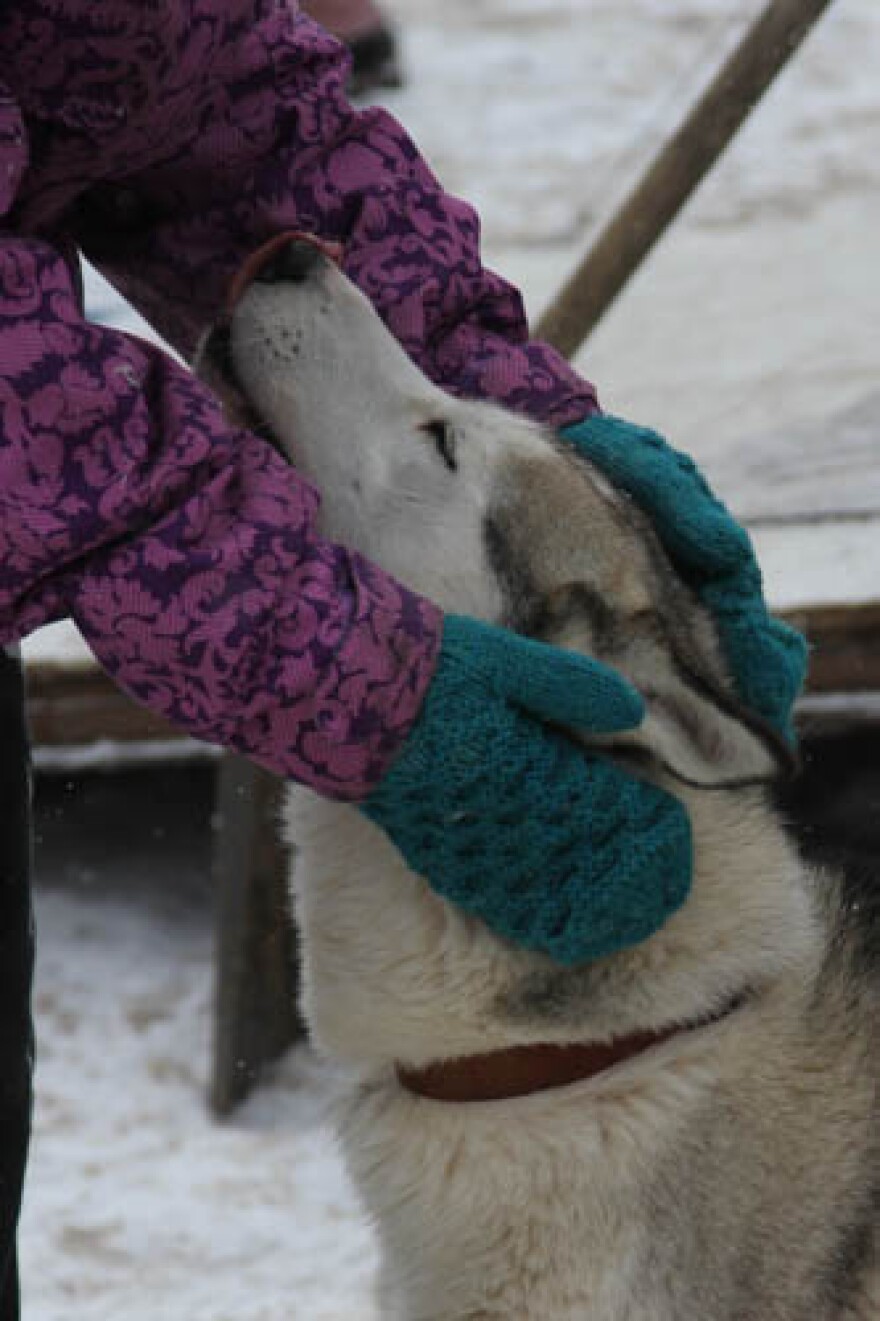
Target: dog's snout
(293,263)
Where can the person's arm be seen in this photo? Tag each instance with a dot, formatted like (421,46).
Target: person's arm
(187,551)
(232,127)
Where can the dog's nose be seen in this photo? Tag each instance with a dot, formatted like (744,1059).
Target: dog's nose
(286,257)
(292,262)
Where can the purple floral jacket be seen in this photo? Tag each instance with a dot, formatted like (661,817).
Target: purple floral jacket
(167,139)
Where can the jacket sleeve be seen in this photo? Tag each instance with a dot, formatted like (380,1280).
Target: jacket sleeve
(186,551)
(243,130)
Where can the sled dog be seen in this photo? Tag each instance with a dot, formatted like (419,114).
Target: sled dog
(686,1131)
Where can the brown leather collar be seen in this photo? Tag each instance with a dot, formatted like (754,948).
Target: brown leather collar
(522,1070)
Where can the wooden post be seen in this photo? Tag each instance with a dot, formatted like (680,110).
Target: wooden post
(256,1013)
(676,171)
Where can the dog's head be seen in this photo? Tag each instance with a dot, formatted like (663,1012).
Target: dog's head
(489,514)
(482,511)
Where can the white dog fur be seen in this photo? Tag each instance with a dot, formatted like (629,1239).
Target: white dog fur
(728,1174)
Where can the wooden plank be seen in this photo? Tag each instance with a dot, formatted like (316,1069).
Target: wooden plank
(845,647)
(71,707)
(838,713)
(256,1014)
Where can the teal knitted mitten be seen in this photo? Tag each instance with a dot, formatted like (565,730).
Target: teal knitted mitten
(768,660)
(553,848)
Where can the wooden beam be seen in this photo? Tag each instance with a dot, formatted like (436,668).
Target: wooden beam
(256,1014)
(845,646)
(676,171)
(71,706)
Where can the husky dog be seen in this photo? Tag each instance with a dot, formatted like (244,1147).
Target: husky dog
(686,1131)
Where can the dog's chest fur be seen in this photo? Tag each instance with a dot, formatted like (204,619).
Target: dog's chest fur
(655,1194)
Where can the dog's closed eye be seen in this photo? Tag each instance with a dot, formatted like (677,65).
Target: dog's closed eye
(443,436)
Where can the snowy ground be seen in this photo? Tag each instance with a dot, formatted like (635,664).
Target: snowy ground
(761,305)
(139,1205)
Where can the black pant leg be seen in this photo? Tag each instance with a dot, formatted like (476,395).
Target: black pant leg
(9,1301)
(16,970)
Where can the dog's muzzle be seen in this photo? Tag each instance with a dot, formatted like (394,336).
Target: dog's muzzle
(291,258)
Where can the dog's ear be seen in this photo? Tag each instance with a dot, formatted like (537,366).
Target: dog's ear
(709,741)
(695,730)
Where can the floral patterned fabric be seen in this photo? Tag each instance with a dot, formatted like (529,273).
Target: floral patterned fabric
(167,139)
